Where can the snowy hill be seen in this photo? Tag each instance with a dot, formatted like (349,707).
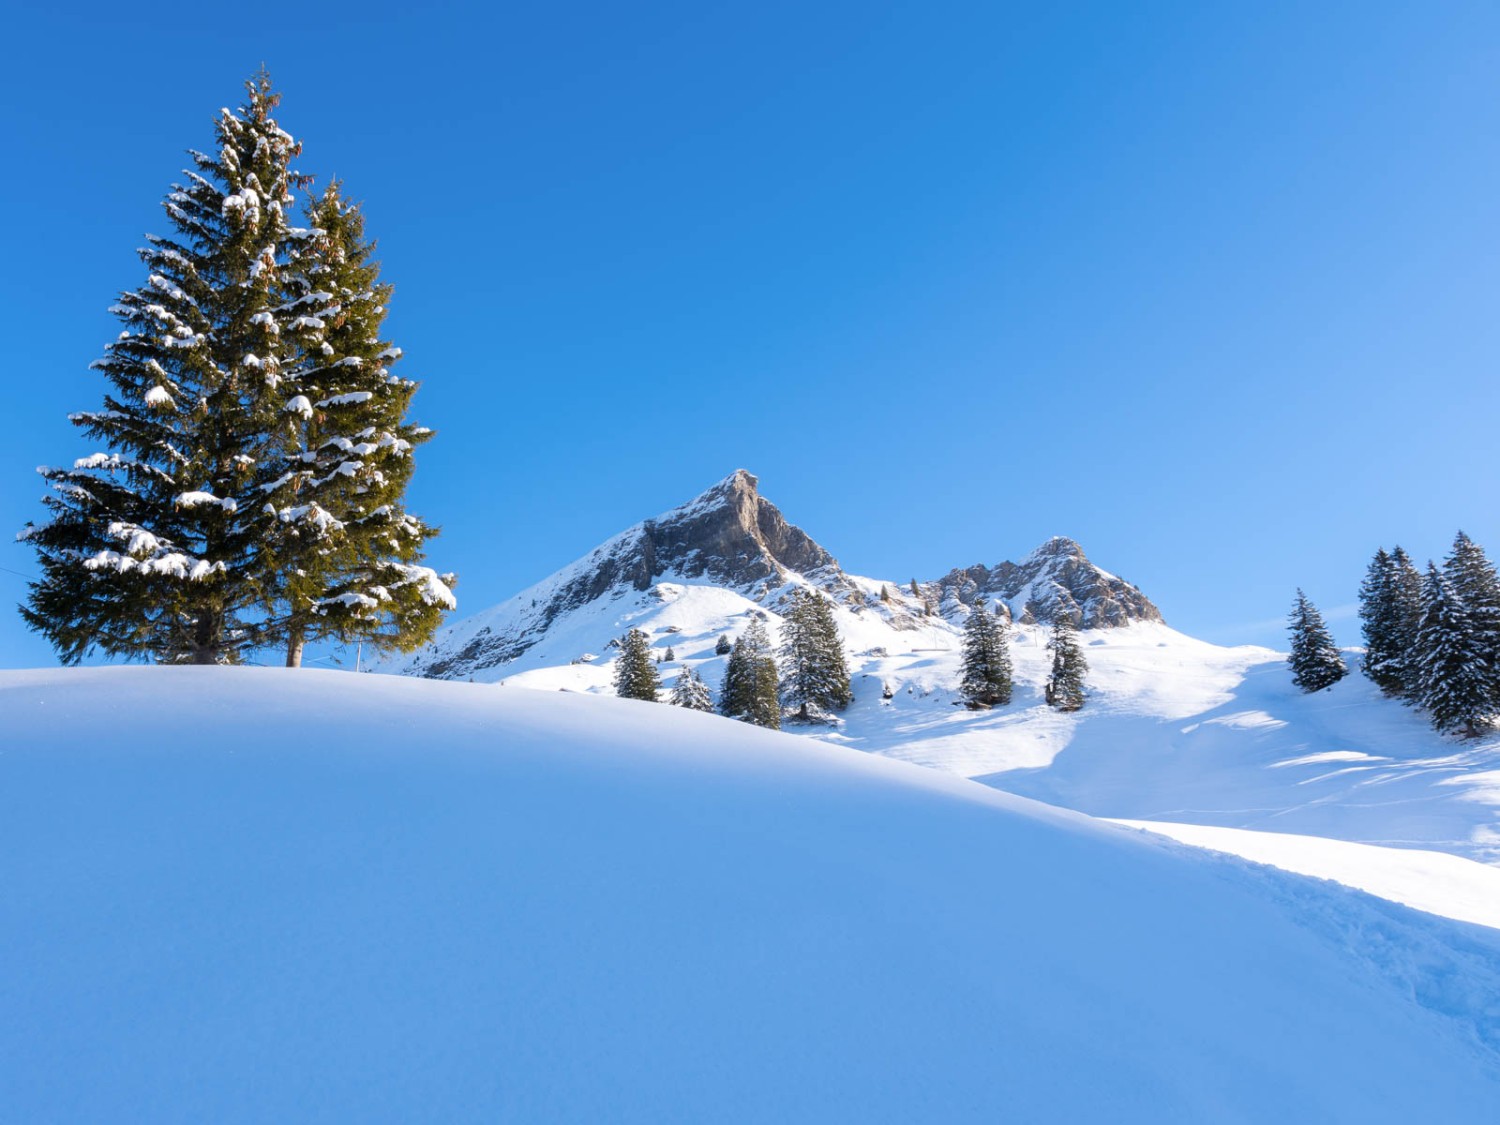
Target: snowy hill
(260,894)
(1176,730)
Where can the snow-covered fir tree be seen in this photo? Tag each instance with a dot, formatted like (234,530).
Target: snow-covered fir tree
(1383,619)
(1453,687)
(154,544)
(346,552)
(1406,596)
(986,678)
(749,692)
(635,671)
(1315,660)
(723,647)
(1069,667)
(1473,580)
(814,671)
(691,692)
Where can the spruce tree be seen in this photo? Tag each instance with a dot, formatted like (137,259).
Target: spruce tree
(749,692)
(1315,660)
(814,672)
(635,671)
(153,547)
(986,663)
(1453,688)
(723,647)
(1474,581)
(346,552)
(1406,616)
(1382,619)
(1065,684)
(691,692)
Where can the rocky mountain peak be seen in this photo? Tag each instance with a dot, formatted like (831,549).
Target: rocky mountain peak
(1056,578)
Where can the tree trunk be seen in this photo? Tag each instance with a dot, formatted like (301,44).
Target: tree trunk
(294,650)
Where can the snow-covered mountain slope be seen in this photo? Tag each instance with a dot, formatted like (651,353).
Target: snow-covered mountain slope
(734,539)
(260,894)
(1175,730)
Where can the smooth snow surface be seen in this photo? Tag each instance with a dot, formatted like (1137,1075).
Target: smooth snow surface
(269,895)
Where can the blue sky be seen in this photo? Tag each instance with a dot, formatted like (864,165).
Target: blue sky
(1210,288)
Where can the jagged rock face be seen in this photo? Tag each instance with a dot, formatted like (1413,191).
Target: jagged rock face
(1056,577)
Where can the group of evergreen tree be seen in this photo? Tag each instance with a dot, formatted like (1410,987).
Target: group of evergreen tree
(256,446)
(1064,689)
(1434,640)
(750,691)
(812,680)
(986,662)
(1315,660)
(814,673)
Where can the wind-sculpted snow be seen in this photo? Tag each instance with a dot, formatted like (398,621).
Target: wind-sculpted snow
(270,895)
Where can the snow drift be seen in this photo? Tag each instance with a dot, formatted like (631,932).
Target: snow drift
(267,895)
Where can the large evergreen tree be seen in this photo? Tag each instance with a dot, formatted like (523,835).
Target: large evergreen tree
(1069,667)
(986,663)
(691,692)
(1454,690)
(346,552)
(1315,660)
(1472,578)
(635,672)
(814,672)
(154,545)
(749,692)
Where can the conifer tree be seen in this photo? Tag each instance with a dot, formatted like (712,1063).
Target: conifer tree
(986,663)
(345,550)
(1065,684)
(1406,616)
(153,546)
(1315,660)
(691,692)
(1383,625)
(1454,691)
(635,671)
(749,692)
(814,672)
(723,647)
(1473,580)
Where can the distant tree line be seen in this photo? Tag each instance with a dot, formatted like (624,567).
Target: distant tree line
(1431,640)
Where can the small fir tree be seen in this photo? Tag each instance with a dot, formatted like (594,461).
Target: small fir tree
(691,692)
(814,672)
(750,681)
(986,663)
(1473,580)
(635,671)
(1454,690)
(1315,660)
(1069,667)
(723,647)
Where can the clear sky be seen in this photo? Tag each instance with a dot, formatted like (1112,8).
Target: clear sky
(1211,288)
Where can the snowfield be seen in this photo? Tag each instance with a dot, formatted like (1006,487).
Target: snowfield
(1176,730)
(262,895)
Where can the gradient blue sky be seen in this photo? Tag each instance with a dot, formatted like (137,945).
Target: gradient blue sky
(1210,288)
